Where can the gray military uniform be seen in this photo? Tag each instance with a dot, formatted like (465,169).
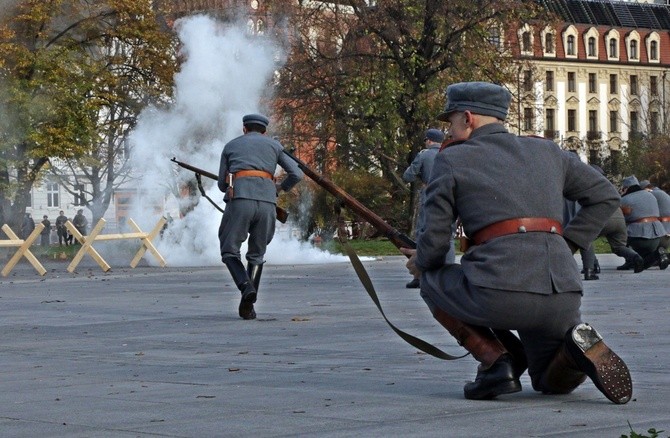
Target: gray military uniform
(422,167)
(527,282)
(663,200)
(251,213)
(643,237)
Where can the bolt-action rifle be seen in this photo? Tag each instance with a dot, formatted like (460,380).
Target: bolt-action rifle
(282,215)
(399,239)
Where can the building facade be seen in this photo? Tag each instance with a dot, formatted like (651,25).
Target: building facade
(594,79)
(598,78)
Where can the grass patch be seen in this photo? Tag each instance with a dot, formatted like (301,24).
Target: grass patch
(383,247)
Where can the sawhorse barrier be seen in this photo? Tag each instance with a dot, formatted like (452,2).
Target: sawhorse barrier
(95,236)
(23,249)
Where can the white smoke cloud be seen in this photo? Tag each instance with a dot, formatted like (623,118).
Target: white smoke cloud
(225,74)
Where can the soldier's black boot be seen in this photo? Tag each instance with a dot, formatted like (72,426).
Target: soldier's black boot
(254,273)
(245,285)
(590,274)
(514,346)
(655,258)
(663,259)
(496,373)
(585,354)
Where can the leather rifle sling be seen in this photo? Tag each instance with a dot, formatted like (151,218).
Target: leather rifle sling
(369,288)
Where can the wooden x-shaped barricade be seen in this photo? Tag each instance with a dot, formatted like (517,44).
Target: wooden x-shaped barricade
(24,249)
(95,236)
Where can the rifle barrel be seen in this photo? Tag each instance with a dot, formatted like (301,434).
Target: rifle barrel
(399,239)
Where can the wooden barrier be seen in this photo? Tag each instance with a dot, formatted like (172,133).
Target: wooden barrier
(24,249)
(95,236)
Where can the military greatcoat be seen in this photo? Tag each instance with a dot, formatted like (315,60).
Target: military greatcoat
(527,282)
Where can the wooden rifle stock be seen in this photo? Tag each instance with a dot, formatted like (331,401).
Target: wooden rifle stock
(282,215)
(399,239)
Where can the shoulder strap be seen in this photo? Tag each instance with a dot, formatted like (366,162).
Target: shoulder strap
(369,288)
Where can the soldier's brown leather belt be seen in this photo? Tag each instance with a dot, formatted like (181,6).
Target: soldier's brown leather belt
(517,225)
(664,219)
(645,219)
(245,173)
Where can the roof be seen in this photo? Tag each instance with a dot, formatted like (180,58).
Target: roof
(611,13)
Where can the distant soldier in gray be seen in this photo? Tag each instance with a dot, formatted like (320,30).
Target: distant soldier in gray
(420,169)
(80,222)
(664,210)
(61,229)
(645,230)
(617,237)
(246,176)
(520,272)
(28,226)
(45,235)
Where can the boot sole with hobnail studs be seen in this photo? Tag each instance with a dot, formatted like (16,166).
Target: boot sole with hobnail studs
(607,370)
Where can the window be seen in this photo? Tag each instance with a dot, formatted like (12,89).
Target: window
(572,86)
(527,80)
(549,80)
(572,120)
(633,85)
(613,49)
(614,121)
(653,50)
(592,83)
(653,85)
(633,49)
(549,42)
(549,120)
(613,84)
(634,124)
(653,122)
(528,119)
(79,198)
(52,195)
(592,47)
(571,45)
(525,42)
(593,120)
(494,37)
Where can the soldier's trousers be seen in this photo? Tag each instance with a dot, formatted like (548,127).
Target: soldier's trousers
(616,233)
(247,218)
(540,320)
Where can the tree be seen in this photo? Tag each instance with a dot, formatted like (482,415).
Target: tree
(372,78)
(72,74)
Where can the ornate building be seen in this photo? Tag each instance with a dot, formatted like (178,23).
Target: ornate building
(597,79)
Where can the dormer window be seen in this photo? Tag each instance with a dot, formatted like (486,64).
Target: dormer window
(525,42)
(549,45)
(652,41)
(571,46)
(653,50)
(592,47)
(633,46)
(613,48)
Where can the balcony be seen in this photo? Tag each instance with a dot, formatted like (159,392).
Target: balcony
(593,135)
(551,134)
